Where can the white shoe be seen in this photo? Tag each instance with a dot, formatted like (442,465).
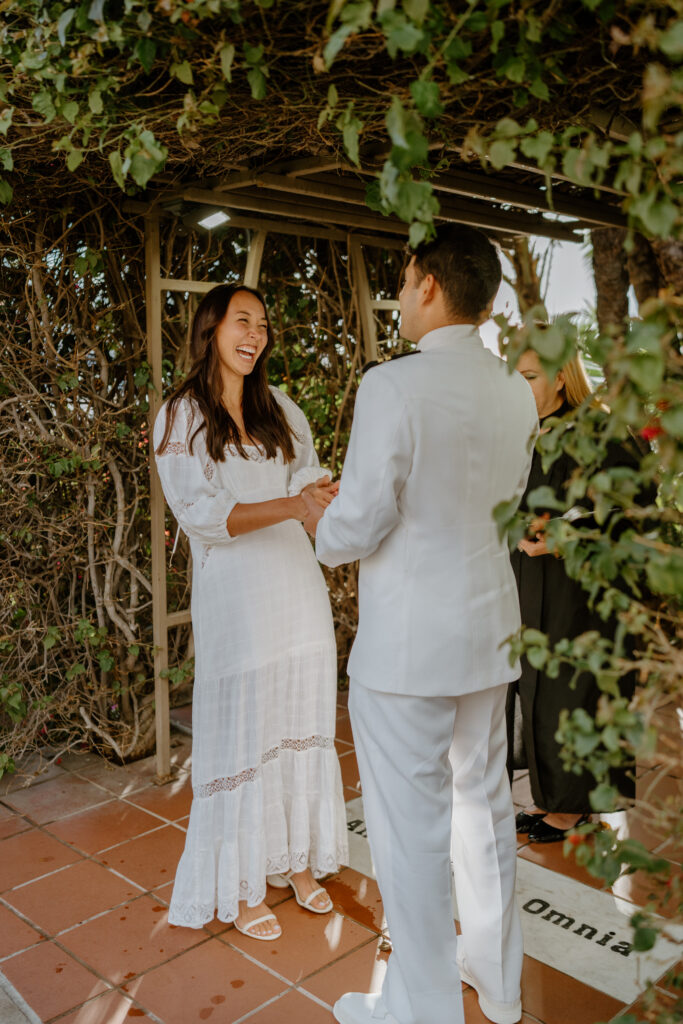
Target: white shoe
(286,881)
(499,1013)
(362,1008)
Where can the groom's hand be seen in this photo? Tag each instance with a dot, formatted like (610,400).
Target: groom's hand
(314,512)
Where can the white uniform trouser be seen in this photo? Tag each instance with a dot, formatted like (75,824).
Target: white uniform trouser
(435,785)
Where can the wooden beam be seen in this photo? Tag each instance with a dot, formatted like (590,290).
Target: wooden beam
(177,284)
(483,186)
(361,290)
(158,537)
(253,268)
(180,618)
(309,165)
(477,214)
(325,213)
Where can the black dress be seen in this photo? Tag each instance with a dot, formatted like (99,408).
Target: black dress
(557,605)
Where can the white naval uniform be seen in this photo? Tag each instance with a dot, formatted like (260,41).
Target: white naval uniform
(438,439)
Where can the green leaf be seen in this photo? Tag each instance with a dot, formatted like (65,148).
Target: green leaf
(543,498)
(502,152)
(227,57)
(672,420)
(183,72)
(657,213)
(6,120)
(401,34)
(514,69)
(6,191)
(537,657)
(142,374)
(335,43)
(603,798)
(644,938)
(106,661)
(65,19)
(417,233)
(116,164)
(539,89)
(257,81)
(478,21)
(646,370)
(6,160)
(70,111)
(253,54)
(146,51)
(332,96)
(497,33)
(508,128)
(74,159)
(354,16)
(351,128)
(395,121)
(42,104)
(538,147)
(95,101)
(51,637)
(416,9)
(426,97)
(146,156)
(671,41)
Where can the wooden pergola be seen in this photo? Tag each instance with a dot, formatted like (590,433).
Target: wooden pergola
(323,197)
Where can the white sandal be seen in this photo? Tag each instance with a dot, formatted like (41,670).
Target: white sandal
(283,881)
(259,920)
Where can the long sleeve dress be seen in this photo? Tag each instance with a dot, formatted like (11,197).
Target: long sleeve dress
(558,605)
(267,792)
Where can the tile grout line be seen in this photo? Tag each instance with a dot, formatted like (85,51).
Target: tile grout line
(288,981)
(268,1002)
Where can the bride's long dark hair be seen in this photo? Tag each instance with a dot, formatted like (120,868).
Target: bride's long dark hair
(264,420)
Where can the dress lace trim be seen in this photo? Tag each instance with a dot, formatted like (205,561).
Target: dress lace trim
(195,915)
(174,448)
(230,782)
(255,453)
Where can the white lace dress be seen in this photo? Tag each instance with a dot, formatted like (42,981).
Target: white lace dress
(267,791)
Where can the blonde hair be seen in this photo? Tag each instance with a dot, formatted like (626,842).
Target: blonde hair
(577,387)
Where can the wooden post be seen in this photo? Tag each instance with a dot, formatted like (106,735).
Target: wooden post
(251,274)
(159,606)
(359,277)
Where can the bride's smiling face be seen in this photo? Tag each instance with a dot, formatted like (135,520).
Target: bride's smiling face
(241,336)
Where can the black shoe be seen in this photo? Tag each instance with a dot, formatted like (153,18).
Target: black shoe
(525,822)
(542,832)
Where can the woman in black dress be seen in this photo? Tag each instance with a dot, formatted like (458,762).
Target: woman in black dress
(557,605)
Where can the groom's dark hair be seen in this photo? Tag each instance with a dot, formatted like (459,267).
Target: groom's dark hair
(466,265)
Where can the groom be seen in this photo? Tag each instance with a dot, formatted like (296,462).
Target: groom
(438,439)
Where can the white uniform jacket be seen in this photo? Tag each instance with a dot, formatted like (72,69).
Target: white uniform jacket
(438,439)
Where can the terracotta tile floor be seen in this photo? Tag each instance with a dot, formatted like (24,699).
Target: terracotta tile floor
(87,858)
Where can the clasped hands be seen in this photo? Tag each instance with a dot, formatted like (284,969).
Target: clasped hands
(316,497)
(538,545)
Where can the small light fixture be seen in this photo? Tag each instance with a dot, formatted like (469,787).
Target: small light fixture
(214,220)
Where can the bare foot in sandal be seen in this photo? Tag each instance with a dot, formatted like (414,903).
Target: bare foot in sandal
(304,884)
(257,922)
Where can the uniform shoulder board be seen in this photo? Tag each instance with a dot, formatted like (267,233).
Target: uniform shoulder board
(388,359)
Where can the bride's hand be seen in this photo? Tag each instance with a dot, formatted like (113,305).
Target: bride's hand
(322,491)
(314,512)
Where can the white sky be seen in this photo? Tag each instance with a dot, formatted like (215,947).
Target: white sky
(570,287)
